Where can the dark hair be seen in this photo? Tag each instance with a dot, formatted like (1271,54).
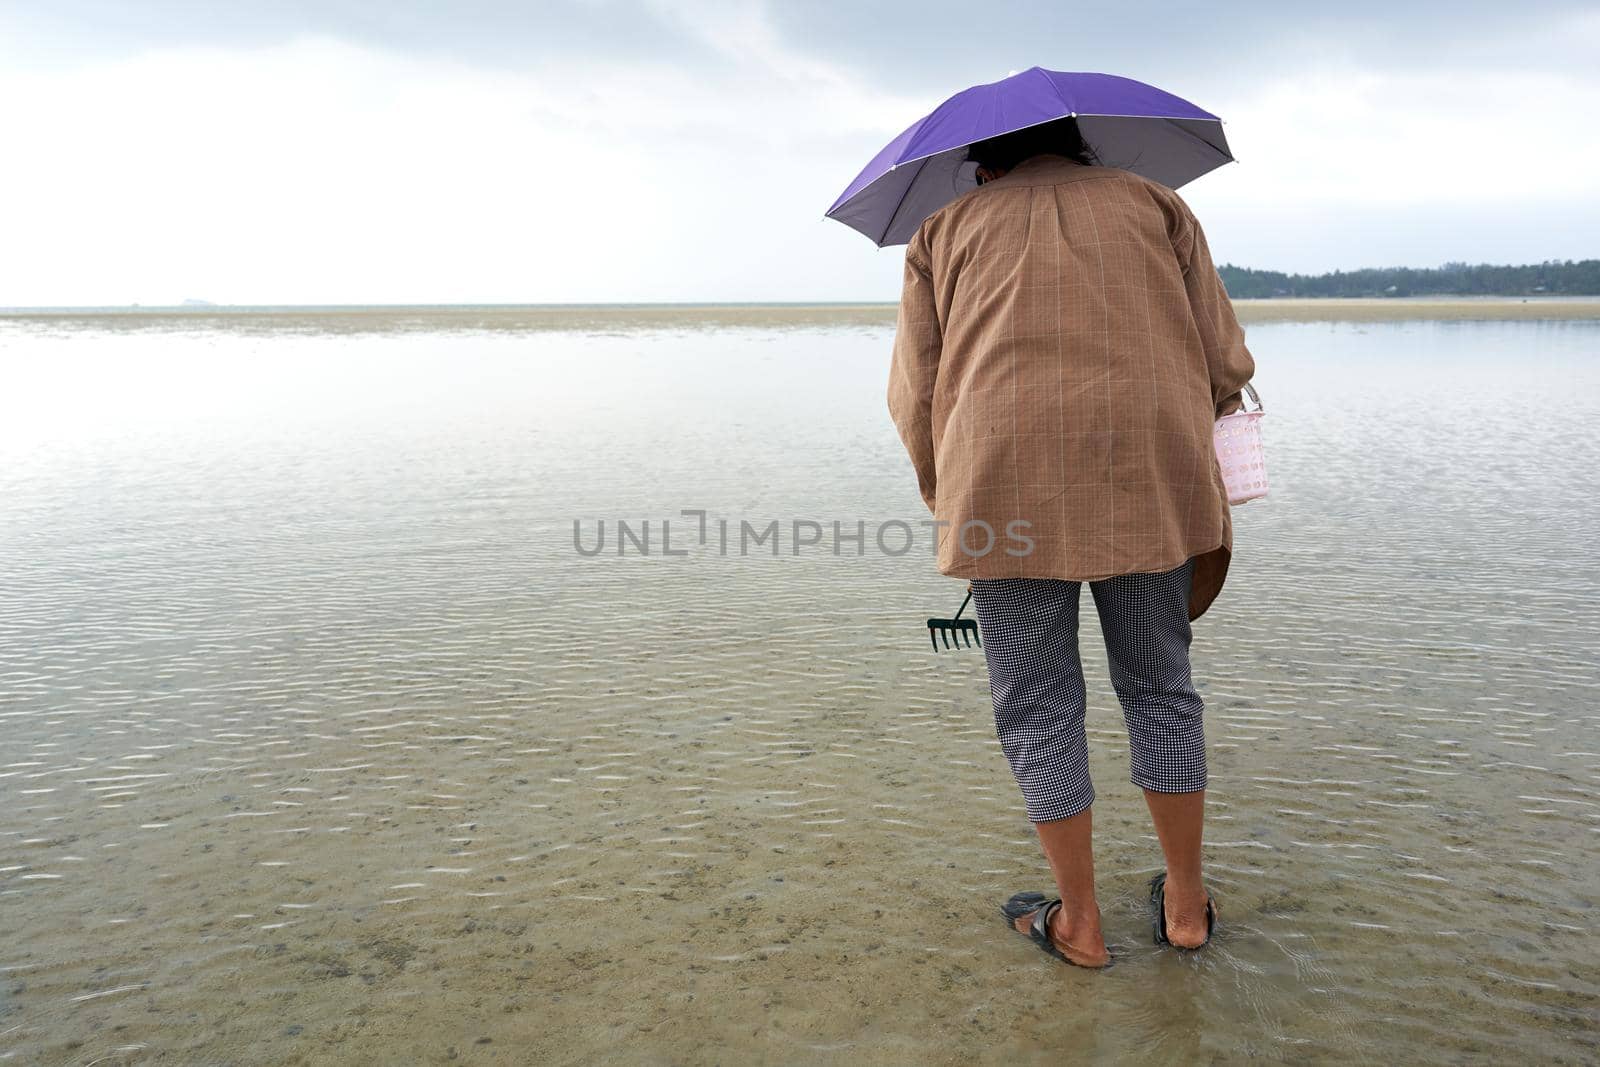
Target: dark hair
(1059,137)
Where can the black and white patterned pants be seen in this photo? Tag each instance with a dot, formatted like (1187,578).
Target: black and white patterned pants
(1030,638)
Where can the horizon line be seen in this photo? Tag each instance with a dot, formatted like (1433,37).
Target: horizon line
(201,309)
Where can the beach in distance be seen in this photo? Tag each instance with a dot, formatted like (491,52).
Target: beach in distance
(520,317)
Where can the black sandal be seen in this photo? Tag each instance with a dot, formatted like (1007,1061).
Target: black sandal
(1158,901)
(1039,931)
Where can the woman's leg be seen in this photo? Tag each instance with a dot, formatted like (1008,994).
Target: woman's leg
(1069,847)
(1145,621)
(1030,640)
(1180,820)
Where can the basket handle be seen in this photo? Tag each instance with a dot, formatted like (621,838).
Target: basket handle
(1248,388)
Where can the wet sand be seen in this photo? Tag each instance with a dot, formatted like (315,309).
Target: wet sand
(635,317)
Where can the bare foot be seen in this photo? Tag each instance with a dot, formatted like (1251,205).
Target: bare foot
(1186,914)
(1079,939)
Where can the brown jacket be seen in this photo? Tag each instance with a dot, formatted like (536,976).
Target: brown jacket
(1064,346)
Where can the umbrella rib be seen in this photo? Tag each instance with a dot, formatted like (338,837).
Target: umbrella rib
(1197,137)
(1054,88)
(910,135)
(895,214)
(923,121)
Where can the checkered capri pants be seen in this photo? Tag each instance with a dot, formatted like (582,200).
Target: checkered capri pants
(1030,638)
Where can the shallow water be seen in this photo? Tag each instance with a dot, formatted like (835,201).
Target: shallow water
(322,743)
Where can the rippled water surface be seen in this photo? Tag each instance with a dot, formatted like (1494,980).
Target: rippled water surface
(320,742)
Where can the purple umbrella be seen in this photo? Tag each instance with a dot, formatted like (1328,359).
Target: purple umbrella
(1128,124)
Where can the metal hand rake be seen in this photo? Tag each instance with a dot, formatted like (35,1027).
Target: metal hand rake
(953,630)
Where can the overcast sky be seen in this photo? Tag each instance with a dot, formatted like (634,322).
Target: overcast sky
(390,151)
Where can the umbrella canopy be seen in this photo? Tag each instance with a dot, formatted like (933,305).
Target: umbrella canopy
(1128,124)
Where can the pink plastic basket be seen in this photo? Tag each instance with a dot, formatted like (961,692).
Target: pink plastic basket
(1244,463)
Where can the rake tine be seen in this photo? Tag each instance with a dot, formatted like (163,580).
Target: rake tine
(946,634)
(933,637)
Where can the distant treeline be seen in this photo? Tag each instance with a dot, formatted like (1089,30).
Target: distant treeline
(1551,278)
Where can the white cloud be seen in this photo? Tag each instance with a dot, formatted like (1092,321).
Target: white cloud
(325,172)
(320,171)
(1363,137)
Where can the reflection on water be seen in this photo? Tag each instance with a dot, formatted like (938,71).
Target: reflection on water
(321,743)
